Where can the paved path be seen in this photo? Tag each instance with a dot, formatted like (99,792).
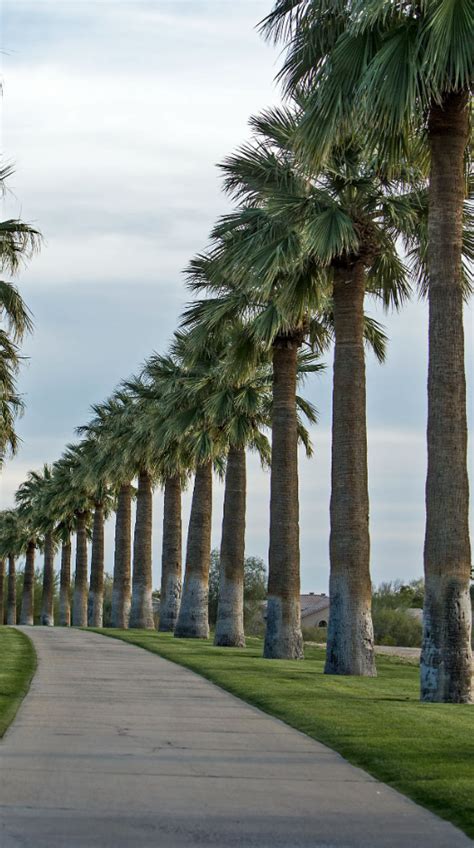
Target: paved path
(117,748)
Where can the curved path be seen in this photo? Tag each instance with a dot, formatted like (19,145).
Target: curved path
(117,748)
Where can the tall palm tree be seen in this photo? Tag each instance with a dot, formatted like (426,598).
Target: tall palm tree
(236,394)
(171,554)
(117,424)
(2,589)
(110,420)
(11,590)
(64,530)
(173,458)
(15,322)
(75,500)
(349,65)
(13,542)
(90,477)
(18,242)
(11,403)
(136,448)
(27,600)
(61,505)
(244,409)
(186,420)
(34,505)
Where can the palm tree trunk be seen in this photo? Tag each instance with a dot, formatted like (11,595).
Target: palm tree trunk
(95,612)
(79,609)
(193,618)
(28,598)
(11,591)
(2,591)
(283,639)
(230,607)
(122,558)
(47,608)
(65,585)
(350,643)
(141,613)
(171,555)
(446,650)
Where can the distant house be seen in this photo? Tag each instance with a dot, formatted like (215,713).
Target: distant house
(314,610)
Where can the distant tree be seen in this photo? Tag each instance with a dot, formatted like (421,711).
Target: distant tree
(398,595)
(255,585)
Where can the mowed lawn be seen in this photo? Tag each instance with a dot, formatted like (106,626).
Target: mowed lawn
(17,666)
(425,751)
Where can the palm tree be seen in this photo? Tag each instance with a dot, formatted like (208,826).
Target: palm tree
(121,592)
(64,531)
(34,506)
(2,589)
(173,460)
(11,590)
(13,541)
(236,395)
(171,555)
(109,422)
(18,242)
(349,65)
(74,499)
(16,319)
(90,477)
(184,420)
(11,403)
(135,447)
(27,600)
(245,409)
(61,505)
(125,453)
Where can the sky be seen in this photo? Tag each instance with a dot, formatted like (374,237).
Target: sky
(115,113)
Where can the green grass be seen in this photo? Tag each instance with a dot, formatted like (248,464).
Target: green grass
(425,751)
(17,666)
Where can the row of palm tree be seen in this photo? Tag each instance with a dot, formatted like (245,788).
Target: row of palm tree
(156,429)
(345,191)
(401,75)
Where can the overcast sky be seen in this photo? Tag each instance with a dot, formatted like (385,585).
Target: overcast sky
(115,113)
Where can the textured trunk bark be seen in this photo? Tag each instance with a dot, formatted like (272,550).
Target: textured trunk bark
(95,610)
(283,639)
(446,650)
(350,644)
(65,585)
(141,613)
(230,607)
(79,608)
(193,618)
(47,608)
(2,591)
(171,555)
(121,596)
(28,598)
(11,591)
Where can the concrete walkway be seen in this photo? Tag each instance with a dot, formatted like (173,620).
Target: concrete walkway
(117,748)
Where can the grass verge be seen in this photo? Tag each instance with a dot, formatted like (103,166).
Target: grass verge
(17,666)
(425,751)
